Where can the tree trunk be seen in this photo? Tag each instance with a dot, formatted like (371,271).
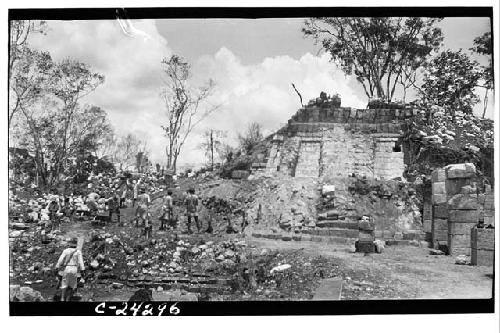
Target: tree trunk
(485,102)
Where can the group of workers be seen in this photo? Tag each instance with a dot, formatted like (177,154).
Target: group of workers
(70,265)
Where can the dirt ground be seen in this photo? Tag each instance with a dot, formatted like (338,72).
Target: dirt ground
(412,271)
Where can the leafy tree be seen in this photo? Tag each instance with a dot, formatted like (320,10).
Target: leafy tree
(381,52)
(251,138)
(41,136)
(449,81)
(72,80)
(184,106)
(484,46)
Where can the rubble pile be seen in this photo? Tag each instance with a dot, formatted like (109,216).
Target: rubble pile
(282,204)
(394,205)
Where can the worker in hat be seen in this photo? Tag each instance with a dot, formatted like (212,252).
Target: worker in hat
(69,266)
(191,204)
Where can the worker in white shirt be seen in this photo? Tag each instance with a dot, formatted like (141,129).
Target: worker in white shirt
(70,264)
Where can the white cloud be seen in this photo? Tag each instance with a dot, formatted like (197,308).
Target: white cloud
(131,66)
(247,93)
(263,93)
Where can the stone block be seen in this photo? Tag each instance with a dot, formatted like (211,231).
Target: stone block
(480,198)
(483,239)
(471,216)
(466,251)
(438,188)
(489,220)
(240,174)
(365,236)
(427,211)
(482,257)
(440,224)
(468,189)
(490,198)
(440,211)
(413,235)
(460,228)
(427,227)
(489,212)
(464,170)
(463,201)
(440,235)
(306,238)
(489,206)
(438,175)
(454,186)
(388,234)
(458,241)
(365,246)
(328,189)
(439,199)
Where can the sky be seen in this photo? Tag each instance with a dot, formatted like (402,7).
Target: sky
(253,63)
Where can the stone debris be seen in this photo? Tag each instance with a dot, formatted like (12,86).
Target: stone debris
(462,260)
(436,252)
(24,294)
(379,245)
(280,268)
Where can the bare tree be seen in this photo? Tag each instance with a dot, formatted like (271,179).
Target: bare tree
(212,144)
(483,45)
(126,150)
(20,30)
(185,106)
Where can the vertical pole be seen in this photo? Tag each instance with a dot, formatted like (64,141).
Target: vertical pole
(212,147)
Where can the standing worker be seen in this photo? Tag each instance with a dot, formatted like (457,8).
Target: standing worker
(142,208)
(125,187)
(71,263)
(53,208)
(192,210)
(114,207)
(167,212)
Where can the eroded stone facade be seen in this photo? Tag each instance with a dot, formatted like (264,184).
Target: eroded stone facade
(326,140)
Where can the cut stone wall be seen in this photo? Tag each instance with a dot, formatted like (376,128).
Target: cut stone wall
(458,207)
(345,152)
(388,164)
(339,151)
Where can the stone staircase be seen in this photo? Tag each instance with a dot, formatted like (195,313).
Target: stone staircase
(309,158)
(341,229)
